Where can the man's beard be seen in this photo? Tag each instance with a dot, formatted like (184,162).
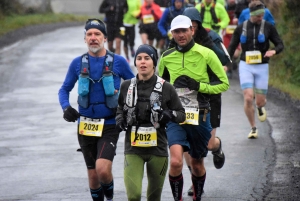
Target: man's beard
(95,49)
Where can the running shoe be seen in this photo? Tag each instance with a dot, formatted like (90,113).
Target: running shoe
(262,114)
(191,191)
(253,133)
(219,156)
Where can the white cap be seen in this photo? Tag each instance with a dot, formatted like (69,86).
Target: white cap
(181,21)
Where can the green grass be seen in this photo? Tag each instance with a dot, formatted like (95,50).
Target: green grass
(11,23)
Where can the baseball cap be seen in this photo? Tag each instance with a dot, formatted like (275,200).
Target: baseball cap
(181,21)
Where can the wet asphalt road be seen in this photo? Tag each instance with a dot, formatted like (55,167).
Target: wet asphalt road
(38,158)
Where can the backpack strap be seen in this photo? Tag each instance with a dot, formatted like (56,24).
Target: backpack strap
(85,63)
(213,13)
(109,61)
(262,27)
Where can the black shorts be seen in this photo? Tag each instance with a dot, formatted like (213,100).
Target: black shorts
(150,29)
(215,112)
(94,148)
(113,31)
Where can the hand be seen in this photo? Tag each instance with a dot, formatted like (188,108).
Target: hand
(165,116)
(121,126)
(192,84)
(216,27)
(70,114)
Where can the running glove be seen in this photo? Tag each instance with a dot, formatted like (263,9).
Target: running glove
(121,126)
(165,116)
(191,83)
(70,114)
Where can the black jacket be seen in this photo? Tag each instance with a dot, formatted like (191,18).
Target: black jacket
(114,10)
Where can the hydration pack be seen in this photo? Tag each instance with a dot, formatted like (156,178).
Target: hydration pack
(83,101)
(261,36)
(155,102)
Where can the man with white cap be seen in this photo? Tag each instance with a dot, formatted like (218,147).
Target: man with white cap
(186,67)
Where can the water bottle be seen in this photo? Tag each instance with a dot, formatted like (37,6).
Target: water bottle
(83,83)
(108,82)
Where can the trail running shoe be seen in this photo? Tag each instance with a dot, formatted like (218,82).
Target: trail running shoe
(262,114)
(219,156)
(191,191)
(253,133)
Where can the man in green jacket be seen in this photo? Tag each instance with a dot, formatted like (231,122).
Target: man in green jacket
(129,21)
(186,66)
(214,15)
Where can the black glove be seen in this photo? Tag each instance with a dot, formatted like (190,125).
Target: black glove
(191,83)
(121,126)
(70,114)
(216,27)
(165,116)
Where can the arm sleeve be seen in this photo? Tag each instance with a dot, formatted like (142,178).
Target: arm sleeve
(68,85)
(217,68)
(235,40)
(224,17)
(122,96)
(276,40)
(174,103)
(162,22)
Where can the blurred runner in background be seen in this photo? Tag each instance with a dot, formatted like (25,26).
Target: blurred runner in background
(114,11)
(129,21)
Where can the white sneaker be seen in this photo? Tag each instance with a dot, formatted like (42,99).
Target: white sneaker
(262,114)
(253,133)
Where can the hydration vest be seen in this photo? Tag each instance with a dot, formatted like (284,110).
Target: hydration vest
(261,35)
(83,101)
(155,102)
(212,12)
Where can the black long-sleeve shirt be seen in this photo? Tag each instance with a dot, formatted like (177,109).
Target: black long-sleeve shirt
(252,43)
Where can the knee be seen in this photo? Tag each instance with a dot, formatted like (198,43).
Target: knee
(248,99)
(134,196)
(176,163)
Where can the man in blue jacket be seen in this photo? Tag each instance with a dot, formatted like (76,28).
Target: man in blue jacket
(176,8)
(97,133)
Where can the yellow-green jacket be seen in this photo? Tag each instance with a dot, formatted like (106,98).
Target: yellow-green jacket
(134,9)
(221,14)
(193,64)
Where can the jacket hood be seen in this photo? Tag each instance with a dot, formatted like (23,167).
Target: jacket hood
(173,2)
(193,14)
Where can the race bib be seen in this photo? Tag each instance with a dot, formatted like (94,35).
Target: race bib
(91,127)
(230,29)
(188,99)
(148,19)
(191,116)
(253,57)
(144,137)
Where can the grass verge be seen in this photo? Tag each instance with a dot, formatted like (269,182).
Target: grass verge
(11,23)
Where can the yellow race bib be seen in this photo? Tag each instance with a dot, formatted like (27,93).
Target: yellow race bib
(144,137)
(191,116)
(91,127)
(148,19)
(253,57)
(230,29)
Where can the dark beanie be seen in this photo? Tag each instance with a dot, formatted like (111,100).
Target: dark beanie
(148,49)
(96,24)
